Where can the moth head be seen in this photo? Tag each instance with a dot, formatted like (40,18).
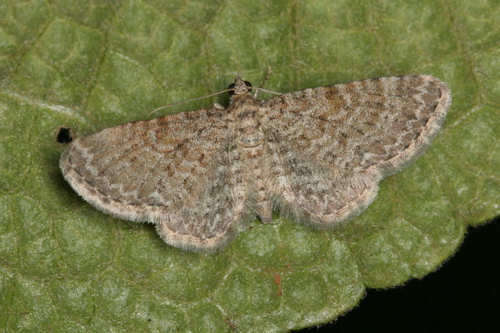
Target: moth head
(239,87)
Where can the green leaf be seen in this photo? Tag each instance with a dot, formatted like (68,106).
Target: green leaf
(88,65)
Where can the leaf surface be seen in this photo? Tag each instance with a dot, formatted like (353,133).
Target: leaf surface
(89,65)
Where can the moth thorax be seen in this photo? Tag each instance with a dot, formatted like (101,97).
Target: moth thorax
(249,132)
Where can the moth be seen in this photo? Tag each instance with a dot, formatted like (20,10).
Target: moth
(316,155)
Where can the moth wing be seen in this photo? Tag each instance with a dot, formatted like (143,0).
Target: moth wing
(172,171)
(332,145)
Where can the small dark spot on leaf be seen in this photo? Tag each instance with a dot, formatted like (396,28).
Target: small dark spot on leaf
(64,135)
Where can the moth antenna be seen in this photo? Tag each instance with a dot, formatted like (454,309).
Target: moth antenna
(189,100)
(268,91)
